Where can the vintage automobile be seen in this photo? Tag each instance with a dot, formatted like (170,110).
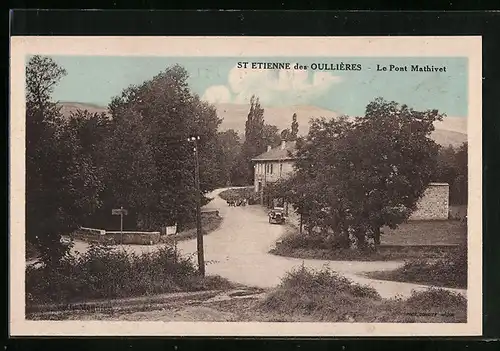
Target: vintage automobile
(277,216)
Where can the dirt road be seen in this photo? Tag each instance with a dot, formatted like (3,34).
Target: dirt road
(238,251)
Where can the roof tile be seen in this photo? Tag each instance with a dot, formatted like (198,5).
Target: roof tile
(277,153)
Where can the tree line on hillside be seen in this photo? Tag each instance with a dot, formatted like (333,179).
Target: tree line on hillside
(353,177)
(138,156)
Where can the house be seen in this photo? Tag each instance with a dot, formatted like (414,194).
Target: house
(274,164)
(278,163)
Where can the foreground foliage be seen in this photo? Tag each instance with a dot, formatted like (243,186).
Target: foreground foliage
(415,240)
(106,273)
(63,186)
(239,194)
(450,271)
(354,176)
(326,296)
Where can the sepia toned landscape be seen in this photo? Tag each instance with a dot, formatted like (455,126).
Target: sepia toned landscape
(180,202)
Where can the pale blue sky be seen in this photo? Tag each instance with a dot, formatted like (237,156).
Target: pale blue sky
(96,79)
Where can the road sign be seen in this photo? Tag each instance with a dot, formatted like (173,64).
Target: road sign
(171,230)
(119,211)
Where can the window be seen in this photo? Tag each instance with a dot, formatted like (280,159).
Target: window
(271,169)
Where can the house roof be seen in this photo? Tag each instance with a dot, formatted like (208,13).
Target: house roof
(278,153)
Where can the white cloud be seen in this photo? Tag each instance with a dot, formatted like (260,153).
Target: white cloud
(275,87)
(217,94)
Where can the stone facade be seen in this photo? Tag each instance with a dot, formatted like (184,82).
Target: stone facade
(271,171)
(274,164)
(434,204)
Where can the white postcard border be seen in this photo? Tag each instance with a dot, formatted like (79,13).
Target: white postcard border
(470,47)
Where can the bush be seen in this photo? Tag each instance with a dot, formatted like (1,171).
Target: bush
(209,225)
(104,272)
(324,294)
(327,296)
(450,271)
(436,298)
(325,281)
(320,246)
(241,193)
(312,241)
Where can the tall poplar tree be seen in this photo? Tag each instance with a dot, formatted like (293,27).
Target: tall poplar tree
(295,128)
(254,143)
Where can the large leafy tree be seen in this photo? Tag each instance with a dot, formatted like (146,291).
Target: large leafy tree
(62,184)
(353,177)
(153,171)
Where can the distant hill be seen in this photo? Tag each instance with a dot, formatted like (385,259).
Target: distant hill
(450,131)
(68,107)
(234,116)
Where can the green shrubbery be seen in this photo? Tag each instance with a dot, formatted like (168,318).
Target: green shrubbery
(104,272)
(208,225)
(326,296)
(450,271)
(418,236)
(241,193)
(319,246)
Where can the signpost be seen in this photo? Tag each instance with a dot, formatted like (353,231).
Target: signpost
(120,212)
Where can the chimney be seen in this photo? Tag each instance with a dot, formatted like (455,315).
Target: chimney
(268,148)
(283,144)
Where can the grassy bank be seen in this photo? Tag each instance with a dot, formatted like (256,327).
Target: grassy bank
(208,225)
(450,272)
(303,296)
(327,297)
(107,273)
(240,193)
(410,241)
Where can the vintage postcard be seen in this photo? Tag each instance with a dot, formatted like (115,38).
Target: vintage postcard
(246,186)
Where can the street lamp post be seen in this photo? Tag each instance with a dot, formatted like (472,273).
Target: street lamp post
(199,234)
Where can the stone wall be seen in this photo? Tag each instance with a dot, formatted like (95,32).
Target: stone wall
(138,238)
(434,204)
(115,237)
(280,170)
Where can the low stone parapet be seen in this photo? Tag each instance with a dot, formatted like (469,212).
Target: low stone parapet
(101,236)
(138,238)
